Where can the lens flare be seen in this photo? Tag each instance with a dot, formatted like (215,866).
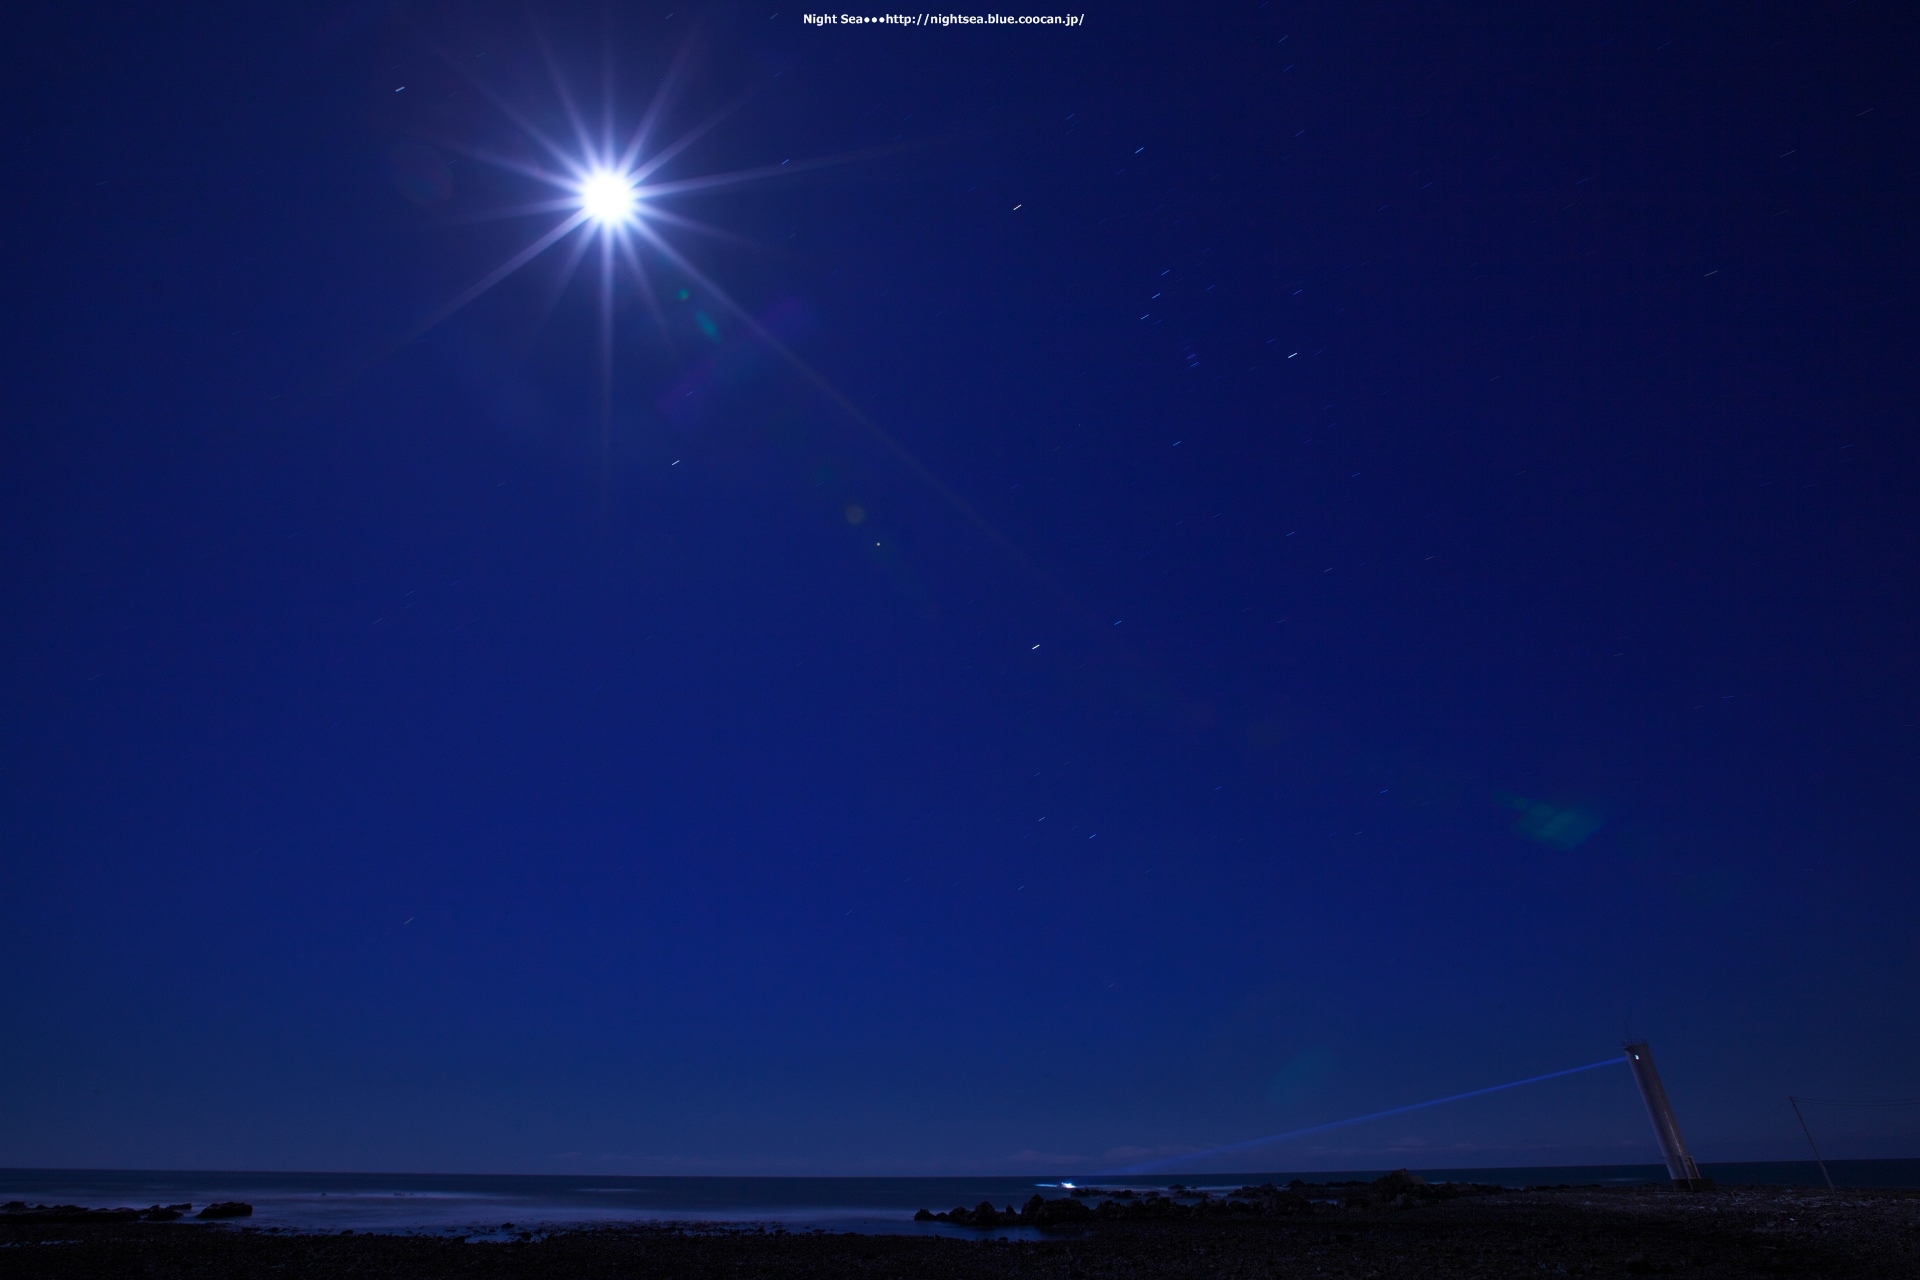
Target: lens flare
(608,198)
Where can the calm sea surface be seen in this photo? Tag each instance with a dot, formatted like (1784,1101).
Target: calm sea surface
(482,1205)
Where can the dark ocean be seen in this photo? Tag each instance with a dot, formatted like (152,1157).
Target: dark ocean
(481,1205)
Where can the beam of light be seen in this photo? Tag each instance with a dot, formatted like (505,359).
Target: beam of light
(781,170)
(520,121)
(655,214)
(498,274)
(506,213)
(661,96)
(1153,1166)
(581,136)
(687,139)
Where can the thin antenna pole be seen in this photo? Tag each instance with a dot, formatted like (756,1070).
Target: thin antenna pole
(1816,1150)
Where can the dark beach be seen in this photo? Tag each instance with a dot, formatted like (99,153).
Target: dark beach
(1543,1232)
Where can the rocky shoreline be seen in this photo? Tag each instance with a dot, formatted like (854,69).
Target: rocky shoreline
(1360,1233)
(1084,1206)
(20,1213)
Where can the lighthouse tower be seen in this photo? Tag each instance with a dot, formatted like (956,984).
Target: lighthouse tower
(1680,1165)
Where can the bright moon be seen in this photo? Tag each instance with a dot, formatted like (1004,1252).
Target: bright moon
(608,197)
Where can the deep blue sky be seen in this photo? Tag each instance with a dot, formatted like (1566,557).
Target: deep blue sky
(1456,464)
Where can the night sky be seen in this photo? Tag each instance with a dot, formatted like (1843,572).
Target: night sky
(1307,558)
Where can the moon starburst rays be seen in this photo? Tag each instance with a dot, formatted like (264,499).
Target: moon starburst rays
(604,186)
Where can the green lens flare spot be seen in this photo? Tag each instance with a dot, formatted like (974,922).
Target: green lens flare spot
(1561,828)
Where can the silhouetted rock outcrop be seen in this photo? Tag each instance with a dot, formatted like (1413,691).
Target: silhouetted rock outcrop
(1053,1214)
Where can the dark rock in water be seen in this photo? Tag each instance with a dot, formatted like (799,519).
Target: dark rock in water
(1064,1212)
(227,1209)
(925,1215)
(161,1213)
